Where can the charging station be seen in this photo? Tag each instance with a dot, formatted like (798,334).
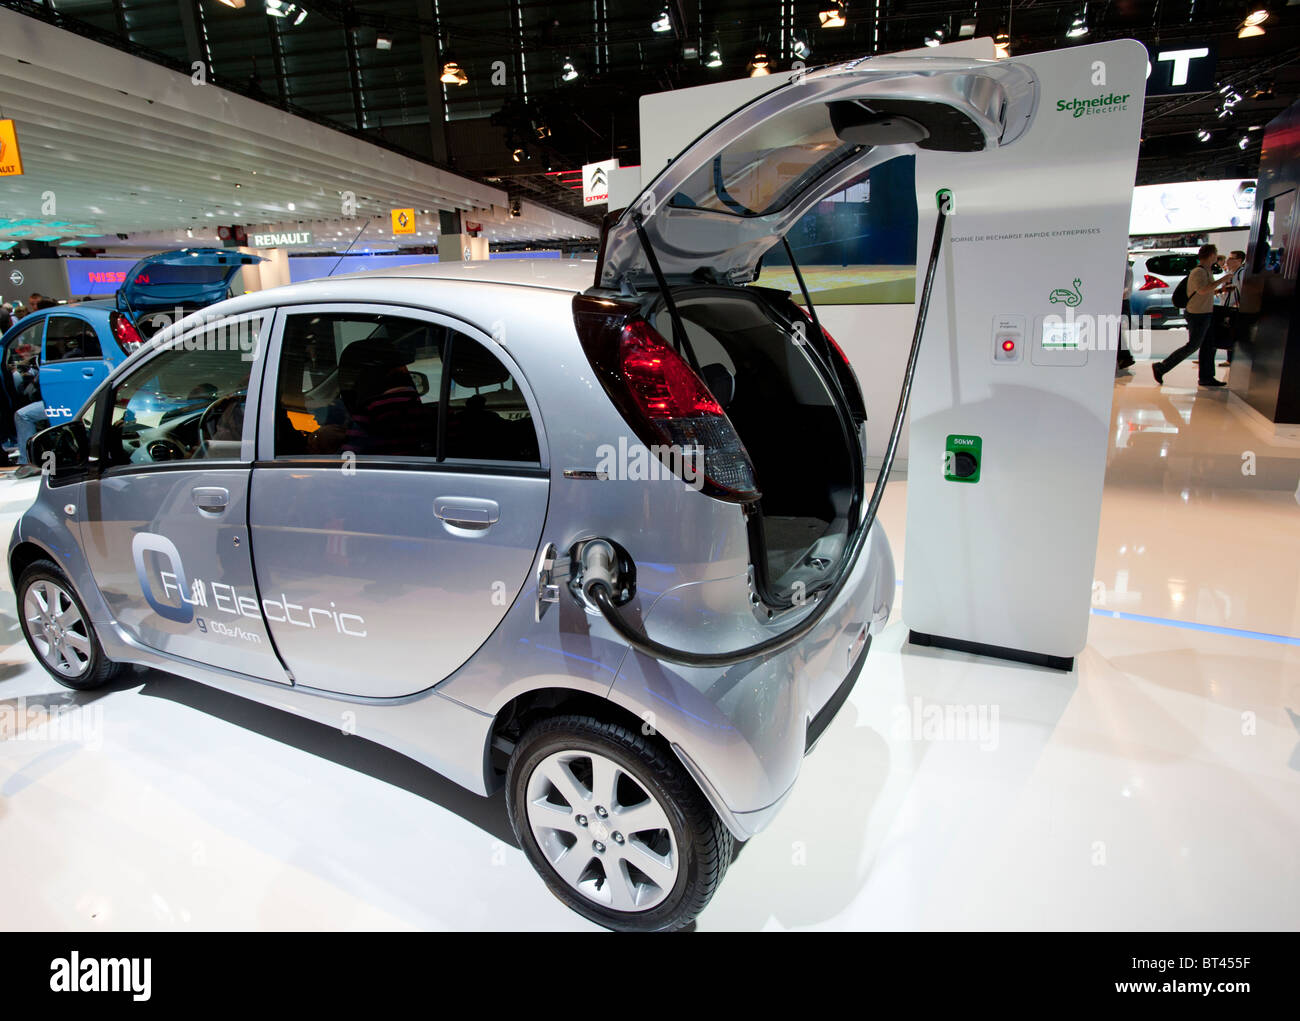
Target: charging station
(1011,403)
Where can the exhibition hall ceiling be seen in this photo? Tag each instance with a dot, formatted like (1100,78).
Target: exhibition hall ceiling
(514,93)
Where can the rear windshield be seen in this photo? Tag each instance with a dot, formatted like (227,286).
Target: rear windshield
(1171,265)
(765,169)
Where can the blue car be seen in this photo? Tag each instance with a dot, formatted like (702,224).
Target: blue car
(76,346)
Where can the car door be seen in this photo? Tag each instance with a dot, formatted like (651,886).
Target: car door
(22,351)
(165,516)
(72,365)
(398,497)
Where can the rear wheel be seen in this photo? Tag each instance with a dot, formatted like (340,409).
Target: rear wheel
(614,825)
(58,628)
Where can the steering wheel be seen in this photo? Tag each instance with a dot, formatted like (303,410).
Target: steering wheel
(164,449)
(212,415)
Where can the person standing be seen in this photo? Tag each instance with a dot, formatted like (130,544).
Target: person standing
(1200,322)
(1228,300)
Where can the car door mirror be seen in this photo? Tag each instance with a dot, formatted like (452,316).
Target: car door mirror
(421,383)
(61,451)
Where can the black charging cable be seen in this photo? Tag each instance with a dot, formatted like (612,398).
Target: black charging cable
(597,584)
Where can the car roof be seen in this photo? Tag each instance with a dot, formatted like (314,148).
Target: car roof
(571,275)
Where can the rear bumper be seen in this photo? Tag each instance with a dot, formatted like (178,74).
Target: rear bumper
(743,731)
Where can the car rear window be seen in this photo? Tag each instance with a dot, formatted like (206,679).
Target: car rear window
(1171,265)
(765,169)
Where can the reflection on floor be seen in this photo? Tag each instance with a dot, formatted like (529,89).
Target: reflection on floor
(1157,786)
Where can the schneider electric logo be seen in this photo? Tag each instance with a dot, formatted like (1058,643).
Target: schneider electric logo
(1112,102)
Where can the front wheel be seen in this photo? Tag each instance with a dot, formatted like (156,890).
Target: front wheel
(614,825)
(58,628)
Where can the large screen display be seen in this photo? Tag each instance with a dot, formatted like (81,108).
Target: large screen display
(1189,206)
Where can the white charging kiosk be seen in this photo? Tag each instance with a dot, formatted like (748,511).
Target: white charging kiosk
(1010,408)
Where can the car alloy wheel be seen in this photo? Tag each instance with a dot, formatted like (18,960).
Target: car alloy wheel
(60,635)
(602,830)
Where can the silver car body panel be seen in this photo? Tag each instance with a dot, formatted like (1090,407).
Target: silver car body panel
(445,664)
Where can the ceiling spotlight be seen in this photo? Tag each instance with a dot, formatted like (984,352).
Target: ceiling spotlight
(1078,27)
(759,65)
(1257,17)
(1202,135)
(1242,142)
(832,15)
(800,49)
(966,29)
(1002,46)
(663,23)
(519,155)
(453,74)
(1247,31)
(715,56)
(383,42)
(568,72)
(236,4)
(935,37)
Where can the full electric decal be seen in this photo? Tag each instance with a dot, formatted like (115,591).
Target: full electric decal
(181,597)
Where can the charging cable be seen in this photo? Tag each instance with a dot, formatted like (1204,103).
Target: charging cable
(599,563)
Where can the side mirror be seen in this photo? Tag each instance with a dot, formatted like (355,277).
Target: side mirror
(421,382)
(61,451)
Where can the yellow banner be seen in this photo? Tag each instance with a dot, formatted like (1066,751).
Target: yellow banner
(403,221)
(11,163)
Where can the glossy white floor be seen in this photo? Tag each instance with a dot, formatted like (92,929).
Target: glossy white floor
(1156,787)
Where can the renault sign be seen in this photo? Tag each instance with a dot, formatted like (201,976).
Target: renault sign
(280,239)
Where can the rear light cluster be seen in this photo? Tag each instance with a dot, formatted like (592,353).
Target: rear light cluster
(1151,283)
(124,332)
(667,405)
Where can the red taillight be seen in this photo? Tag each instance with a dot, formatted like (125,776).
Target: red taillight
(124,331)
(1151,283)
(667,405)
(663,385)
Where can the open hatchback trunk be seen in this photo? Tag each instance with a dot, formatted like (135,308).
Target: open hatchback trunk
(692,352)
(186,279)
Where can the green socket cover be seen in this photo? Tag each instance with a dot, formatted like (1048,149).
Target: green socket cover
(961,458)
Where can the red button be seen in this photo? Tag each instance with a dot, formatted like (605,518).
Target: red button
(1008,345)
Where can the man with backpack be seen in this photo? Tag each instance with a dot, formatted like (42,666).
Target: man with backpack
(1196,294)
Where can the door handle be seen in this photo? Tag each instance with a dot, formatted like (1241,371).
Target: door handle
(87,373)
(467,512)
(210,498)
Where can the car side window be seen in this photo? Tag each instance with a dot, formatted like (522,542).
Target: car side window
(377,386)
(186,403)
(487,416)
(358,383)
(69,337)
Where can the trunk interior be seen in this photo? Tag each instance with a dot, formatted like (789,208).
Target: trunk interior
(800,440)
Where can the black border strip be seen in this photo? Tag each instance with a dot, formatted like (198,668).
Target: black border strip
(1065,663)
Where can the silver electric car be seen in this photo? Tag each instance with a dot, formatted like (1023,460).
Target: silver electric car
(594,533)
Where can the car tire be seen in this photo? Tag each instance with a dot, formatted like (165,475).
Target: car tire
(644,880)
(58,628)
